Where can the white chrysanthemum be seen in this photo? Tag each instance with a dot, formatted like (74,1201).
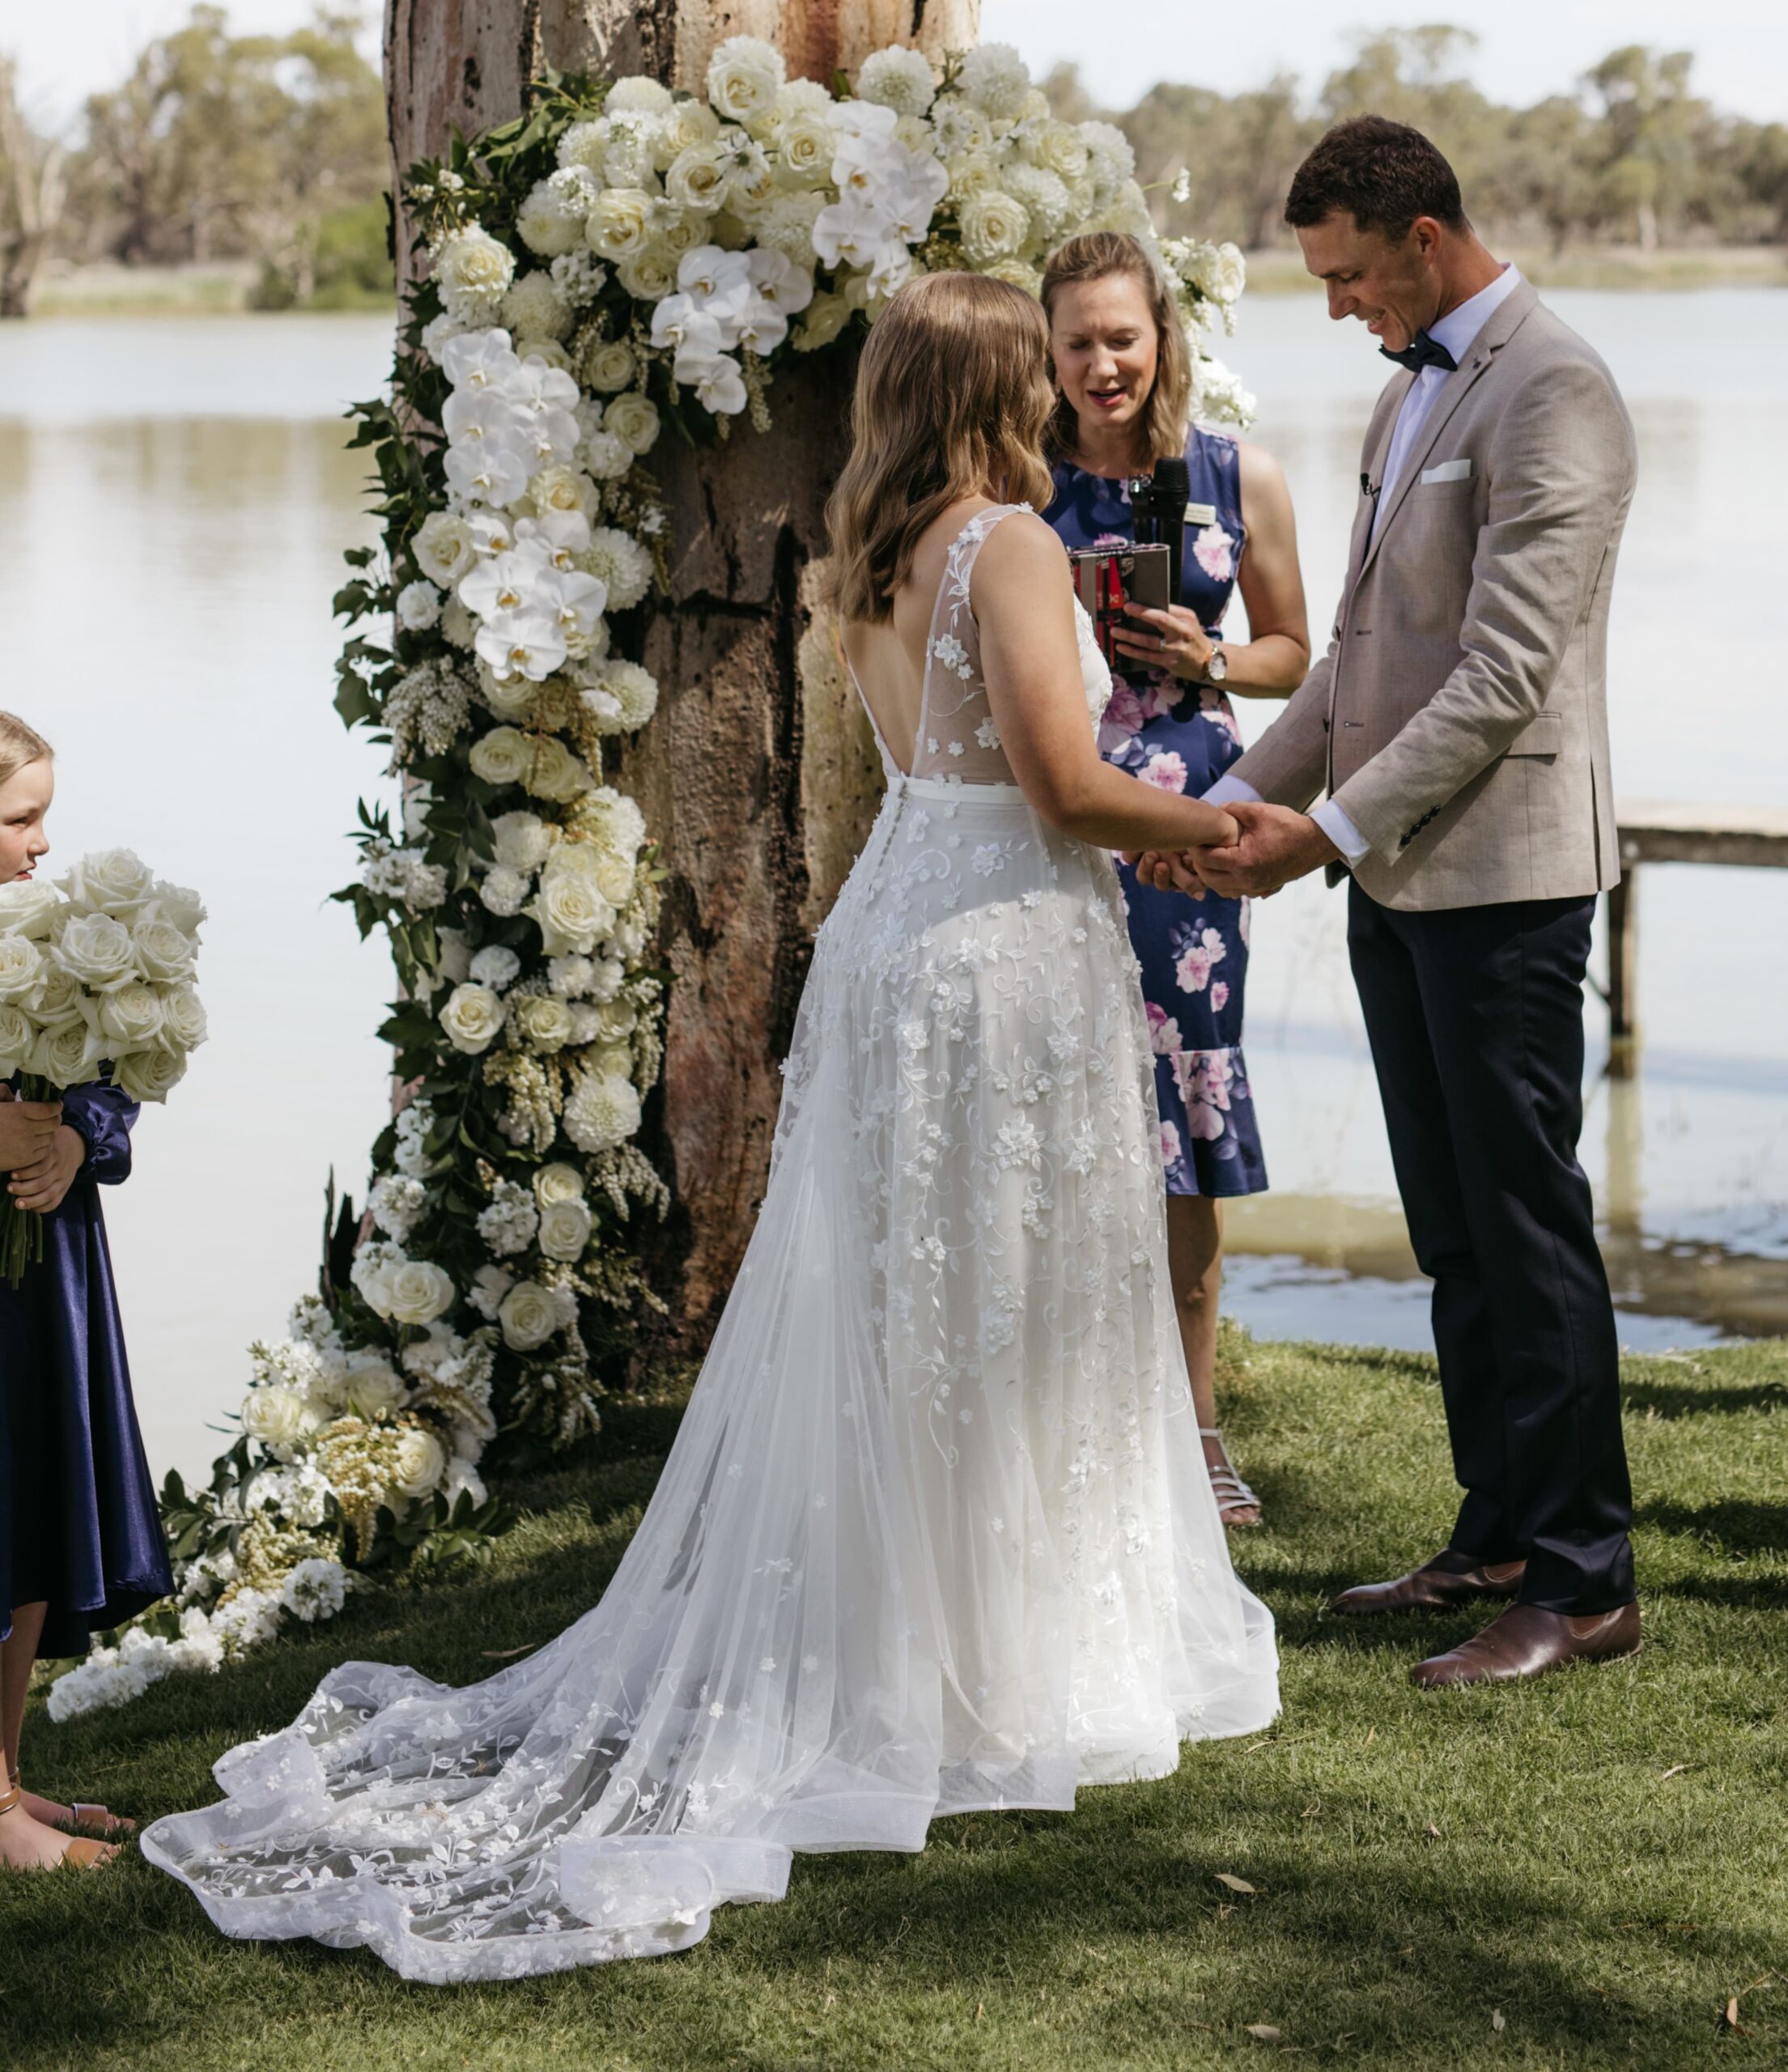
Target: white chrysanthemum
(508,1224)
(633,419)
(995,79)
(504,892)
(619,561)
(521,840)
(622,697)
(637,91)
(551,221)
(495,965)
(314,1591)
(786,226)
(1045,195)
(473,270)
(899,78)
(601,1112)
(1111,159)
(616,819)
(583,145)
(995,226)
(744,77)
(533,309)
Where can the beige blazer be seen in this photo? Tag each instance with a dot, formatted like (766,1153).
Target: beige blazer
(1459,718)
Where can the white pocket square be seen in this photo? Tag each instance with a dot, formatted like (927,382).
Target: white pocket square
(1448,471)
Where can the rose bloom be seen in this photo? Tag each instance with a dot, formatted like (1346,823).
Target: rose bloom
(419,1460)
(558,1183)
(609,365)
(504,756)
(744,76)
(418,1292)
(278,1417)
(163,952)
(633,419)
(545,1022)
(443,547)
(96,952)
(571,913)
(131,1017)
(472,1018)
(114,882)
(27,908)
(21,968)
(565,1229)
(618,223)
(70,1056)
(529,1315)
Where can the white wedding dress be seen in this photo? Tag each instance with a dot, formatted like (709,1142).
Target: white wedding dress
(935,1533)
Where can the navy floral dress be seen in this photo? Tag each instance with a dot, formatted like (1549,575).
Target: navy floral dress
(1183,737)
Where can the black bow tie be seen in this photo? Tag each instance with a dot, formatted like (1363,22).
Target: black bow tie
(1421,351)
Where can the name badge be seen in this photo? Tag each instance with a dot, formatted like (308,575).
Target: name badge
(1201,514)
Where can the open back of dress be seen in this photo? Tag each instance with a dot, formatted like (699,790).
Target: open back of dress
(935,1533)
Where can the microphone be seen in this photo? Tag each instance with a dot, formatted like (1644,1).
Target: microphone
(1158,501)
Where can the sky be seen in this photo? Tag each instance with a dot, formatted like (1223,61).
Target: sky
(68,49)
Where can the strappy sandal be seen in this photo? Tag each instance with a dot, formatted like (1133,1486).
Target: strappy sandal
(1232,1494)
(86,1817)
(84,1852)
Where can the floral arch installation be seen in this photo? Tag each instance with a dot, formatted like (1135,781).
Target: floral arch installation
(618,264)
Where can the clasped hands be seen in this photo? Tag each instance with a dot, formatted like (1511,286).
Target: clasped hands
(39,1154)
(1273,846)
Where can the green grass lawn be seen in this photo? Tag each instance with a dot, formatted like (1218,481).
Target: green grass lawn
(1581,1872)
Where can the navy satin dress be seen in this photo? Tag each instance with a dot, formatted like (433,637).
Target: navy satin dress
(79,1528)
(1183,737)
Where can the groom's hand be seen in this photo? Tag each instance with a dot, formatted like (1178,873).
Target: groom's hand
(1277,845)
(1167,870)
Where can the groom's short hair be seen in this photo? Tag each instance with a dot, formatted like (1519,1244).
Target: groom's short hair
(1382,173)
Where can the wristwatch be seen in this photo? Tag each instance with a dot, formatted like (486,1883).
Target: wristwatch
(1218,668)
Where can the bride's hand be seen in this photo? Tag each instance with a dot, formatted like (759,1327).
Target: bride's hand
(1169,871)
(1170,639)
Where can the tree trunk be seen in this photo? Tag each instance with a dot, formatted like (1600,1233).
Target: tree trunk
(35,175)
(757,776)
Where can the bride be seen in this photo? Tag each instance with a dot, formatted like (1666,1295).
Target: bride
(935,1533)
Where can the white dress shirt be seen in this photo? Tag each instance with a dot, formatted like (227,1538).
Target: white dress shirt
(1457,330)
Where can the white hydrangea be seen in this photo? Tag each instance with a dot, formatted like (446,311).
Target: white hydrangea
(522,840)
(410,1156)
(508,1224)
(579,275)
(1218,396)
(899,78)
(495,965)
(397,1201)
(315,1589)
(995,79)
(489,1286)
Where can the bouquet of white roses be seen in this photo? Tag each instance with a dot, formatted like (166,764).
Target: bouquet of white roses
(96,969)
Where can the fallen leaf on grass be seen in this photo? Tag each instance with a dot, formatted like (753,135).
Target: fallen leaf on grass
(1675,1770)
(1729,2017)
(1234,1883)
(1498,2021)
(1264,2032)
(1434,1832)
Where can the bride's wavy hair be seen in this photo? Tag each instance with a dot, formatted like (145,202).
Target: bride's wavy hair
(952,399)
(19,745)
(1096,256)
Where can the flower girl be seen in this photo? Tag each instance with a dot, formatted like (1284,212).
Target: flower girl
(81,1545)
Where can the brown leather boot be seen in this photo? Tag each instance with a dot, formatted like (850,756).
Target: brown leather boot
(1526,1641)
(1432,1588)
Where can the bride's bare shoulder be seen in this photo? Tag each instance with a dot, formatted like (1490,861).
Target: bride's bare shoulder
(1020,559)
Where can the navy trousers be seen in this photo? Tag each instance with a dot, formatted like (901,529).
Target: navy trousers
(1476,1019)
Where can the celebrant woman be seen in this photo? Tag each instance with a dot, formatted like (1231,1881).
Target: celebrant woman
(935,1535)
(81,1544)
(1125,381)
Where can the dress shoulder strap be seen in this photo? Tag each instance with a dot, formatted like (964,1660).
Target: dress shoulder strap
(957,736)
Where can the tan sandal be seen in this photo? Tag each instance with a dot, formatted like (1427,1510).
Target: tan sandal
(85,1817)
(1232,1494)
(84,1852)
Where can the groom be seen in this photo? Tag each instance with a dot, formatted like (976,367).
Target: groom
(1459,725)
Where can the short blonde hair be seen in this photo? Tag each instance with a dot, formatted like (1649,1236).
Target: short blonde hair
(952,399)
(1096,256)
(19,746)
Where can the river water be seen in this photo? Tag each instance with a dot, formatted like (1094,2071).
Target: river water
(174,497)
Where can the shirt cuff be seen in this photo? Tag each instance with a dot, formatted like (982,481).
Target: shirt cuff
(1226,788)
(1340,830)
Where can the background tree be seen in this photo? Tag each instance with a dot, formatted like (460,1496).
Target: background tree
(32,188)
(757,775)
(1648,134)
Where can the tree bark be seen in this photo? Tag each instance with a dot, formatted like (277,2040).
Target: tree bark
(757,776)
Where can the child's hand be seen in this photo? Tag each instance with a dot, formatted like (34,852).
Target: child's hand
(42,1186)
(26,1129)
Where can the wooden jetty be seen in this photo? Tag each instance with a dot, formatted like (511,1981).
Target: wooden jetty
(1652,832)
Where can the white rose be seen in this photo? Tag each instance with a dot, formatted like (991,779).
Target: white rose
(374,1386)
(562,489)
(827,316)
(96,952)
(571,913)
(601,1112)
(504,756)
(649,276)
(18,1037)
(69,1055)
(994,226)
(473,270)
(529,1315)
(697,180)
(807,144)
(27,907)
(183,1018)
(565,1229)
(634,420)
(522,840)
(131,1018)
(163,952)
(278,1417)
(419,1292)
(616,227)
(443,547)
(419,1461)
(114,882)
(22,969)
(557,774)
(509,697)
(686,123)
(744,76)
(472,1018)
(544,1021)
(558,1183)
(418,607)
(609,365)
